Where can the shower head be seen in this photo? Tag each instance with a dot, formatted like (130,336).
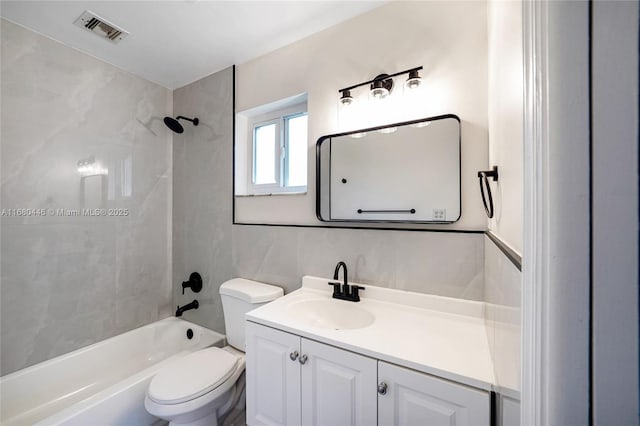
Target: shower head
(175,125)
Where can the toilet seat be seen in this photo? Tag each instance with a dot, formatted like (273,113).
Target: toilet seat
(194,407)
(192,376)
(209,385)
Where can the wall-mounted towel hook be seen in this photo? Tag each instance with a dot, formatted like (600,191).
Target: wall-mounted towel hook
(484,183)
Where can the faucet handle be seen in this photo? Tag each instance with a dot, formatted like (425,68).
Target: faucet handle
(336,287)
(354,292)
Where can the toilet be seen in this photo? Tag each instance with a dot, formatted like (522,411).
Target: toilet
(203,387)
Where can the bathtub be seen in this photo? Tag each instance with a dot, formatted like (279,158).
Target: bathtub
(104,383)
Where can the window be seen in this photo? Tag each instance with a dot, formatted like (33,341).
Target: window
(279,152)
(265,154)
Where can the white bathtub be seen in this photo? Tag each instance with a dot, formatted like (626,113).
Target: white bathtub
(104,383)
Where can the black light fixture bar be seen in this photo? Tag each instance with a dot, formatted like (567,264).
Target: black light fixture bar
(386,77)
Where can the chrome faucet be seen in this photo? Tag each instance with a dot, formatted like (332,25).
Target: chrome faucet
(348,292)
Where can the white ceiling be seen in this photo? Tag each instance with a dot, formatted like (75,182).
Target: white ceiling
(174,43)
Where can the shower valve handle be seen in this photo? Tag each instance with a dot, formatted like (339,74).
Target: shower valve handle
(194,283)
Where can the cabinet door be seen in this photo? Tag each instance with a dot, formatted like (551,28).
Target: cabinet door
(416,399)
(338,387)
(273,377)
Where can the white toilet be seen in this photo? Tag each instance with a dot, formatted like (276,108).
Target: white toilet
(202,387)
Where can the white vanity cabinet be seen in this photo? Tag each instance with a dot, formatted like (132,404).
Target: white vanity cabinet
(292,380)
(295,381)
(273,377)
(409,398)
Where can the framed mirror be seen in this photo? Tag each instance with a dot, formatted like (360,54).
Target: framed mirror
(400,173)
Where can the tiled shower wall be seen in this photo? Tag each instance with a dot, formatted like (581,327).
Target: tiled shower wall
(70,279)
(202,194)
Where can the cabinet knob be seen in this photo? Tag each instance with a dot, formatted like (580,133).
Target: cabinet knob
(303,359)
(382,388)
(294,355)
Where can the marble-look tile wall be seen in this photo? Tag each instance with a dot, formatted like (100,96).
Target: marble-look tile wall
(202,163)
(449,264)
(446,264)
(502,290)
(69,279)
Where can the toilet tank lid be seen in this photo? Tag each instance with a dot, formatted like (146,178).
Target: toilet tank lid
(250,291)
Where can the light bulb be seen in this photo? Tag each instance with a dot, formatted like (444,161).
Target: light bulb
(380,88)
(346,98)
(379,93)
(414,80)
(421,124)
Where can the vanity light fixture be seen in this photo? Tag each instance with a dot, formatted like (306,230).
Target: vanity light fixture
(346,98)
(414,80)
(381,85)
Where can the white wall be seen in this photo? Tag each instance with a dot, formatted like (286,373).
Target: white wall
(448,38)
(505,118)
(564,175)
(585,251)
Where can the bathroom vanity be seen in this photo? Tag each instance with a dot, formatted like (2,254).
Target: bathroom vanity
(395,357)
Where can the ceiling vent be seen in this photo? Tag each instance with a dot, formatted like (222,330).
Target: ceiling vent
(100,27)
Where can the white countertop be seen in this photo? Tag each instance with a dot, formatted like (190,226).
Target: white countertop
(437,335)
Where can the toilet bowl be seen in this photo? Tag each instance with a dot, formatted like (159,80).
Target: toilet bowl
(203,387)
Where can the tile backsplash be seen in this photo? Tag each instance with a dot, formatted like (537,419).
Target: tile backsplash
(502,293)
(447,264)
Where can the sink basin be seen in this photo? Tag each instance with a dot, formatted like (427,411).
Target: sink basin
(331,314)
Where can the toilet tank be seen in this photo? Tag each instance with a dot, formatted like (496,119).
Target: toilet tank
(240,296)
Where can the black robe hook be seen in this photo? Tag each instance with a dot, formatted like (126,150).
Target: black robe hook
(484,183)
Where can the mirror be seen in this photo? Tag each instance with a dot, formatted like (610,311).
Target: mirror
(405,173)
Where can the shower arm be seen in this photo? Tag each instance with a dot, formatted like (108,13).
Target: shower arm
(195,121)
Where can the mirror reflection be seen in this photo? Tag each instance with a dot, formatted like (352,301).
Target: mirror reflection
(405,172)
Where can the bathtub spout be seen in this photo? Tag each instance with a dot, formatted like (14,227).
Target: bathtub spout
(187,307)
